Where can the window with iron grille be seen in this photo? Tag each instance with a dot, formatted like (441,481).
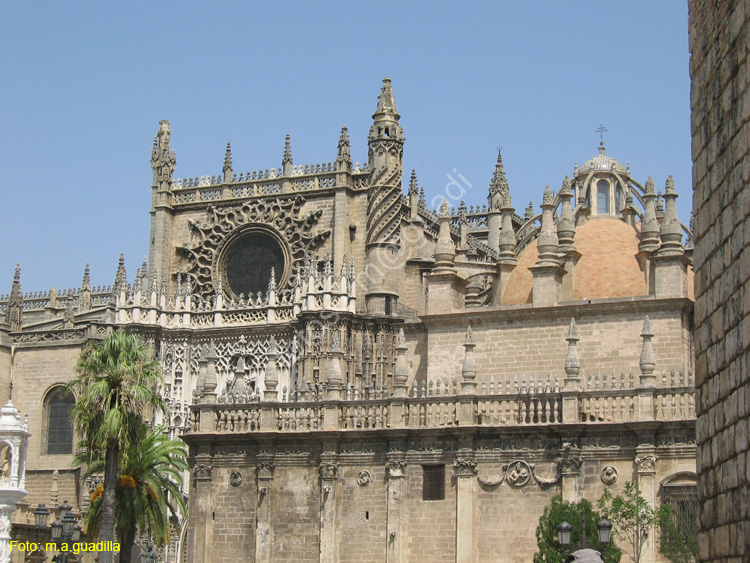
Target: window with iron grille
(684,502)
(433,482)
(59,425)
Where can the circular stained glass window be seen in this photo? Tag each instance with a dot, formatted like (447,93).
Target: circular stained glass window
(248,262)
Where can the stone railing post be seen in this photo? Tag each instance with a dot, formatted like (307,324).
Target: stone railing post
(572,382)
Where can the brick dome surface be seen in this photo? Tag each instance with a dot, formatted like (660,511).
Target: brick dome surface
(608,267)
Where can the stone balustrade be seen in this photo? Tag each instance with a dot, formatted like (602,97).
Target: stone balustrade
(543,407)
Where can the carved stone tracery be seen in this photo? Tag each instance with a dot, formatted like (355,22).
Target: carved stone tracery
(279,217)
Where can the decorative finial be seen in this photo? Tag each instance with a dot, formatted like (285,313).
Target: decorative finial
(444,209)
(529,211)
(344,152)
(649,188)
(228,157)
(469,335)
(547,197)
(413,188)
(669,188)
(565,190)
(86,277)
(121,277)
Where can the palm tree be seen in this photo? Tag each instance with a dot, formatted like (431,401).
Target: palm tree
(148,496)
(115,389)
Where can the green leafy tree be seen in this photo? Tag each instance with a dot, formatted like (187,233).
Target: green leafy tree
(550,550)
(679,540)
(147,496)
(631,515)
(115,388)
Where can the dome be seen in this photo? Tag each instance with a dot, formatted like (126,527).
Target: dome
(608,267)
(601,163)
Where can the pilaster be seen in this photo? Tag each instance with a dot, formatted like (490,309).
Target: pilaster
(465,471)
(263,545)
(395,472)
(645,464)
(329,474)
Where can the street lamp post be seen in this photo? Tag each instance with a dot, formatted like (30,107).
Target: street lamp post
(65,531)
(603,529)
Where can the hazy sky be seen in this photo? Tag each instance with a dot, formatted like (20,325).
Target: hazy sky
(84,85)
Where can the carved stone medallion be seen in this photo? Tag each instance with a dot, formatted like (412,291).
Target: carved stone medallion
(364,478)
(235,479)
(609,475)
(518,473)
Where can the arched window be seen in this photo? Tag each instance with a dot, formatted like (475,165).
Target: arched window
(59,426)
(602,197)
(619,203)
(680,492)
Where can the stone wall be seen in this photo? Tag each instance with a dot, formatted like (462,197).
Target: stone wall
(532,342)
(364,510)
(720,125)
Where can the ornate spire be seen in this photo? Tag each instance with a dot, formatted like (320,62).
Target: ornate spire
(528,213)
(344,149)
(14,315)
(548,243)
(121,277)
(659,206)
(413,187)
(507,239)
(227,168)
(671,228)
(650,225)
(286,160)
(385,163)
(566,226)
(86,278)
(84,296)
(386,103)
(498,185)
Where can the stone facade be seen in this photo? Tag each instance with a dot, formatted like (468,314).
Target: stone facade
(362,378)
(720,103)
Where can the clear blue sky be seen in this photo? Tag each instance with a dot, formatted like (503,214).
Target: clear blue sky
(84,85)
